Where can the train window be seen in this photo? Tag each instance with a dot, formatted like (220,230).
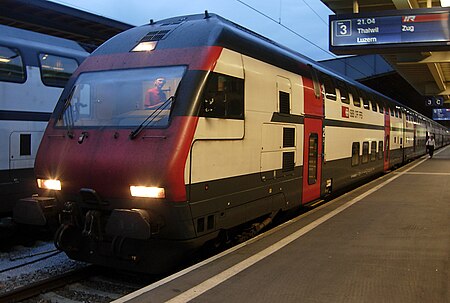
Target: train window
(381,109)
(396,113)
(25,144)
(223,97)
(312,158)
(380,150)
(373,151)
(392,112)
(56,70)
(355,96)
(11,65)
(365,152)
(374,106)
(366,104)
(400,114)
(343,92)
(330,90)
(386,111)
(355,153)
(119,98)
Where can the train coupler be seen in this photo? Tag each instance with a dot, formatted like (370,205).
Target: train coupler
(35,210)
(92,225)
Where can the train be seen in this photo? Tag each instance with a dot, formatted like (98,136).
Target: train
(33,71)
(173,134)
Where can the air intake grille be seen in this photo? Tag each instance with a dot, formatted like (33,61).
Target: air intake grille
(288,161)
(288,137)
(154,36)
(284,103)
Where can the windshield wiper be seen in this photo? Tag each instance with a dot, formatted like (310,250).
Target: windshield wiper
(151,118)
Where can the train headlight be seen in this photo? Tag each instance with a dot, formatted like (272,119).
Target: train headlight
(145,46)
(147,192)
(49,184)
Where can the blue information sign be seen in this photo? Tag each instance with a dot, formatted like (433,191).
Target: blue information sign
(428,28)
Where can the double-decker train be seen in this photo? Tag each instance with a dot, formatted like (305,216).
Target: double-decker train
(174,133)
(33,70)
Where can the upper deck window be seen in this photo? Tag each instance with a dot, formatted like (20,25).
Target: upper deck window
(12,68)
(122,98)
(223,97)
(56,70)
(329,85)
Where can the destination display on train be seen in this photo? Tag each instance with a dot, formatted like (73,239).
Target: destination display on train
(404,28)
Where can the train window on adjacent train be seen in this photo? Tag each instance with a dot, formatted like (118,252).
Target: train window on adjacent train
(330,90)
(312,158)
(25,144)
(11,65)
(373,151)
(392,112)
(380,150)
(56,70)
(355,153)
(365,152)
(223,97)
(396,113)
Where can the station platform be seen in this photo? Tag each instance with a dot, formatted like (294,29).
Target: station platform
(387,241)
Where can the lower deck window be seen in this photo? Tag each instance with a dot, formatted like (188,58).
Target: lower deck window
(365,154)
(355,153)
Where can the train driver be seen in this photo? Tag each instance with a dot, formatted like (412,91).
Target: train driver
(155,96)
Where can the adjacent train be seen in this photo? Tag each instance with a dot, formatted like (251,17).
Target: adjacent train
(172,134)
(33,70)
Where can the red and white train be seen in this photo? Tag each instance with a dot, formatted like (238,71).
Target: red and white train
(247,129)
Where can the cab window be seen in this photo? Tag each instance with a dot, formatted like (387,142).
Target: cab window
(223,97)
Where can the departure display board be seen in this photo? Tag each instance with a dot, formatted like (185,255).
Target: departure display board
(425,28)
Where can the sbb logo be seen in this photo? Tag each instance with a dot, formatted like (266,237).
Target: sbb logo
(345,112)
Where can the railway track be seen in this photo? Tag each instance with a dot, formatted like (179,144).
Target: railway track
(46,285)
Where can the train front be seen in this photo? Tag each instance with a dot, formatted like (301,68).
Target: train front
(114,154)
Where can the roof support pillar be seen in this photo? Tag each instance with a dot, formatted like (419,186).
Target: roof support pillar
(355,7)
(438,76)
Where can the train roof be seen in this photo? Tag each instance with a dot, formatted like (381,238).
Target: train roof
(214,30)
(16,37)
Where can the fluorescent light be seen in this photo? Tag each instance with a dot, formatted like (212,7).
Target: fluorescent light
(147,192)
(4,60)
(49,184)
(145,46)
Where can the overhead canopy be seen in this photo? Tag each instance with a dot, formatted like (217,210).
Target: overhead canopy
(428,72)
(54,19)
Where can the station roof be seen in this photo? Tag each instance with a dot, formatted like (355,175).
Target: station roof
(54,19)
(427,72)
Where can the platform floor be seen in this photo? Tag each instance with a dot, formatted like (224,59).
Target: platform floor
(388,241)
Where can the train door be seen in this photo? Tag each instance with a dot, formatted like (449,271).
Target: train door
(387,133)
(312,159)
(313,138)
